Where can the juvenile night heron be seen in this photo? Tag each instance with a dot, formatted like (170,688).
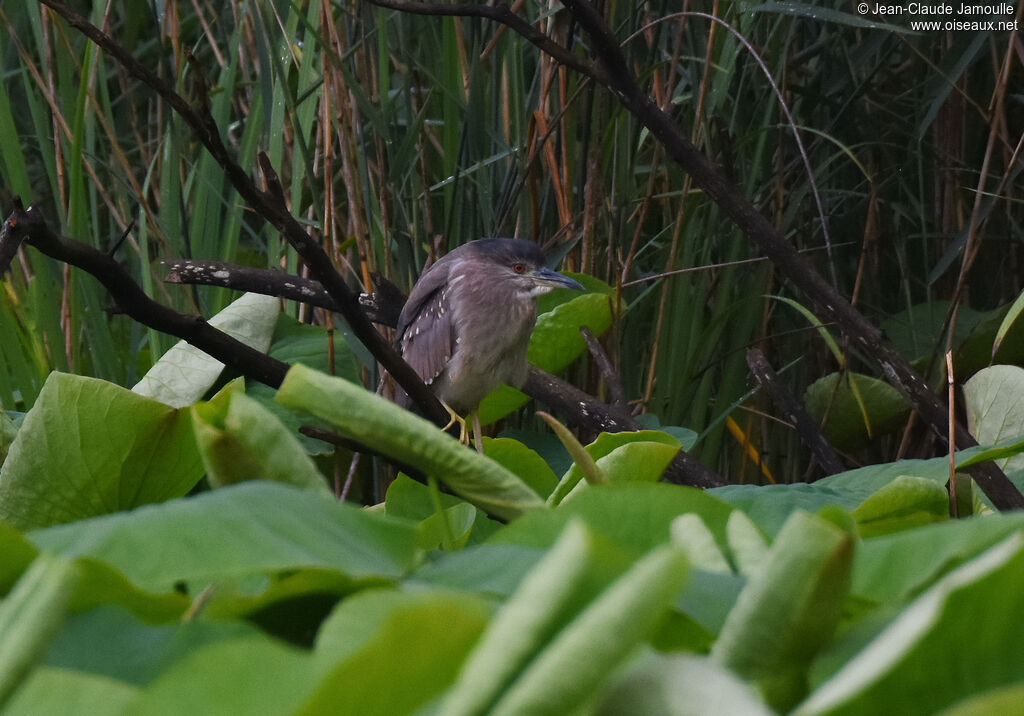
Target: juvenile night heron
(467,323)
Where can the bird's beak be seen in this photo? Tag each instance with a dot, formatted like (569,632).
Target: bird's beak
(552,279)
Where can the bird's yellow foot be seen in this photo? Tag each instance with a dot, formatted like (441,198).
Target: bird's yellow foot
(454,418)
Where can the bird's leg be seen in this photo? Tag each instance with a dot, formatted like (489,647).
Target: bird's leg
(454,418)
(478,437)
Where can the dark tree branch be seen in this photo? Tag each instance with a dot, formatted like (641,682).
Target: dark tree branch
(29,225)
(270,205)
(269,282)
(501,13)
(10,241)
(584,412)
(828,304)
(790,408)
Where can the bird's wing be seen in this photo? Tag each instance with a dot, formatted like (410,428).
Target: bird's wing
(426,333)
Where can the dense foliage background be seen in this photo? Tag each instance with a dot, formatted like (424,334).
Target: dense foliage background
(398,135)
(891,157)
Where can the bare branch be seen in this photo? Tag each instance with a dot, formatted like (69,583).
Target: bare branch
(29,224)
(269,205)
(786,404)
(501,13)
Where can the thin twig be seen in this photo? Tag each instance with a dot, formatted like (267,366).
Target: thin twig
(604,365)
(786,404)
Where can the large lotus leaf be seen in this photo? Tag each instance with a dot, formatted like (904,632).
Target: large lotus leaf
(680,685)
(789,608)
(240,439)
(994,399)
(632,456)
(916,331)
(389,652)
(892,568)
(397,433)
(524,462)
(66,692)
(31,615)
(253,528)
(904,503)
(959,638)
(296,342)
(636,516)
(853,417)
(8,429)
(184,374)
(89,447)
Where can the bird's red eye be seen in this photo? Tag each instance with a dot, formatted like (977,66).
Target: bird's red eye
(519,268)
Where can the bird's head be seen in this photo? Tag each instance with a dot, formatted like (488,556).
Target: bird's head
(521,264)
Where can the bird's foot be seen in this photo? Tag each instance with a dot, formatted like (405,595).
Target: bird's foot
(454,418)
(464,433)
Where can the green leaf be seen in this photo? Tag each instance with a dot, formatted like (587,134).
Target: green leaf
(601,637)
(1004,700)
(89,447)
(1007,323)
(640,460)
(489,569)
(246,674)
(904,503)
(637,456)
(583,463)
(184,374)
(252,528)
(100,584)
(691,534)
(109,641)
(524,462)
(769,506)
(932,655)
(556,341)
(500,402)
(64,692)
(995,411)
(856,410)
(383,426)
(7,432)
(747,544)
(635,516)
(543,602)
(981,453)
(789,609)
(410,499)
(295,342)
(390,652)
(680,686)
(893,568)
(18,553)
(241,440)
(30,617)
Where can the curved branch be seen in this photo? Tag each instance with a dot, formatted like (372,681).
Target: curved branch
(269,205)
(503,15)
(29,225)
